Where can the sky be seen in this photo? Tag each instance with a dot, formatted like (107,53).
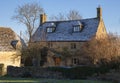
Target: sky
(86,8)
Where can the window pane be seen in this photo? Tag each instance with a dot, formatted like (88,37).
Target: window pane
(76,28)
(73,45)
(49,29)
(75,61)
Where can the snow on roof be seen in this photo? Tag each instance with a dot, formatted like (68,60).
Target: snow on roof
(50,24)
(64,30)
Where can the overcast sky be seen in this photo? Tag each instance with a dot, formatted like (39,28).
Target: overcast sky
(87,9)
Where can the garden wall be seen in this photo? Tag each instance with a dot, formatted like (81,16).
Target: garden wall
(35,72)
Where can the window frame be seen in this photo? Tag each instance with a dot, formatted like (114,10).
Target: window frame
(73,46)
(75,61)
(76,28)
(50,44)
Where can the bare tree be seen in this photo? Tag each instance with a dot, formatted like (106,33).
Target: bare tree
(28,14)
(71,15)
(59,17)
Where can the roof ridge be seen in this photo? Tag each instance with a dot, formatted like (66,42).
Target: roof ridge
(70,20)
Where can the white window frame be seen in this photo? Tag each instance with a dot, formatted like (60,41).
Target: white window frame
(76,28)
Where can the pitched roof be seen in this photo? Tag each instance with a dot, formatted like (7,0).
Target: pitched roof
(64,30)
(7,36)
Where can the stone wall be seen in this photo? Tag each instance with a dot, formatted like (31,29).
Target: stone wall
(9,58)
(34,72)
(58,45)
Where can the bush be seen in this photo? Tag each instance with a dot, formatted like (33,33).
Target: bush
(26,74)
(1,69)
(113,64)
(81,72)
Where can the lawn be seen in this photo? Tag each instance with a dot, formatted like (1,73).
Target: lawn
(33,80)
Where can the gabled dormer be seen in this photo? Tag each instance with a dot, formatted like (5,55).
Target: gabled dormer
(50,27)
(77,26)
(14,43)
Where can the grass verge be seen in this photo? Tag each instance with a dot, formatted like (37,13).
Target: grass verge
(34,80)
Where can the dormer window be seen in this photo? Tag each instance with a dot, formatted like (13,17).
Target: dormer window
(14,43)
(77,26)
(51,27)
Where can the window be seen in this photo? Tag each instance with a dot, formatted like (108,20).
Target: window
(75,61)
(73,45)
(49,30)
(14,43)
(76,28)
(50,44)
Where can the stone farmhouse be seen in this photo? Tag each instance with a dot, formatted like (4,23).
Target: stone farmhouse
(63,36)
(10,46)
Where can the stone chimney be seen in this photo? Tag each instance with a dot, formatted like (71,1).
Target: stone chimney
(43,18)
(99,12)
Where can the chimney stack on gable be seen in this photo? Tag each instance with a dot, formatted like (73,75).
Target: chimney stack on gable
(43,18)
(99,12)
